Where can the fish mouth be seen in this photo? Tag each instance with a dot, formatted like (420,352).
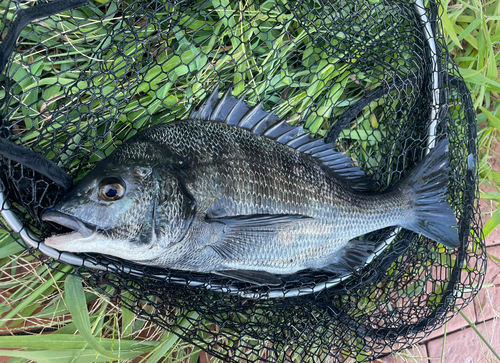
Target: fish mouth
(79,228)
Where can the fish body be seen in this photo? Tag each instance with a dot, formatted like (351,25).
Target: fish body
(238,192)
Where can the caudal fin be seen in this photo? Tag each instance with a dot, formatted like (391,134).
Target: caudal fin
(432,214)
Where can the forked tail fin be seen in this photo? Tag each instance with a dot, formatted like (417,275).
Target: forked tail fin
(432,214)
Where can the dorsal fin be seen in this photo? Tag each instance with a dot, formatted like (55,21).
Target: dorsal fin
(236,112)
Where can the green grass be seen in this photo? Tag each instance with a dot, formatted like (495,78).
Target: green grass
(83,325)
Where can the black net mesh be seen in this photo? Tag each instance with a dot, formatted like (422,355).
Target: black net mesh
(373,76)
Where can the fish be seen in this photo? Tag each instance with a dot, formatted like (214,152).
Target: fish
(236,191)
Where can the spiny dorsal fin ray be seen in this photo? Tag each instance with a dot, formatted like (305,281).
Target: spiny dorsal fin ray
(255,113)
(225,105)
(275,131)
(310,144)
(294,133)
(205,111)
(299,141)
(239,110)
(236,112)
(265,123)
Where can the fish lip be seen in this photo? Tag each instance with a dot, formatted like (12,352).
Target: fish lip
(65,220)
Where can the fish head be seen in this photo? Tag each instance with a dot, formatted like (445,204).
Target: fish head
(112,210)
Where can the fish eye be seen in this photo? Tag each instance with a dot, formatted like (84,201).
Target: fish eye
(111,189)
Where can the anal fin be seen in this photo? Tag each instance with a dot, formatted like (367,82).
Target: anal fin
(350,258)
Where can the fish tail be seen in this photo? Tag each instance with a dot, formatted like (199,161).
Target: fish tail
(431,215)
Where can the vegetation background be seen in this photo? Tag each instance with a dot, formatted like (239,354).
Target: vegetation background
(84,327)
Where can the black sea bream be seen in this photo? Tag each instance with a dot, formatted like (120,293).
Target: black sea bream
(235,191)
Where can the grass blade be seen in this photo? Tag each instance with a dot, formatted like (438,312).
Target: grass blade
(473,326)
(63,356)
(165,346)
(492,223)
(32,297)
(75,299)
(448,26)
(69,341)
(494,121)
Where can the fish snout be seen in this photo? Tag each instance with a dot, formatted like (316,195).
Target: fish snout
(70,222)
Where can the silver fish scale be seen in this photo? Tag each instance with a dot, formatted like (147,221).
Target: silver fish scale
(237,173)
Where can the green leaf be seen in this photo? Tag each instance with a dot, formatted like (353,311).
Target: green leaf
(491,196)
(75,300)
(127,322)
(495,259)
(448,26)
(476,77)
(172,338)
(17,360)
(492,223)
(10,249)
(472,26)
(494,121)
(63,356)
(69,341)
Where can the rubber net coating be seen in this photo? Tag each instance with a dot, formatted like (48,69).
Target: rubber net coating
(373,76)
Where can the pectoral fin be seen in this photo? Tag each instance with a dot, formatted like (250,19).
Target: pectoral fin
(253,277)
(241,238)
(242,233)
(258,223)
